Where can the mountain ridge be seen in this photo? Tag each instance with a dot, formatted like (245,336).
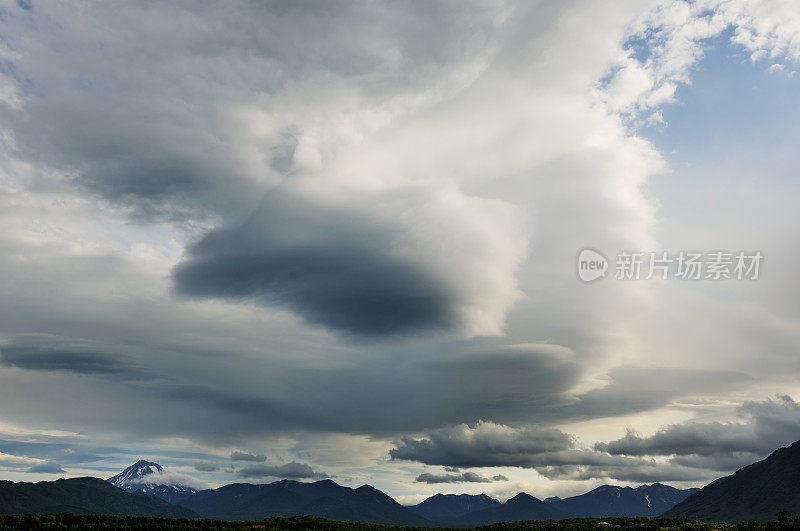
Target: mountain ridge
(754,492)
(613,500)
(325,499)
(82,496)
(446,507)
(521,507)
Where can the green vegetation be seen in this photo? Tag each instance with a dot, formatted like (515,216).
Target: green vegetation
(138,523)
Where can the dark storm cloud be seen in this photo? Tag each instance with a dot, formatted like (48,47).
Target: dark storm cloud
(765,426)
(293,470)
(206,467)
(48,353)
(47,468)
(465,477)
(246,456)
(330,266)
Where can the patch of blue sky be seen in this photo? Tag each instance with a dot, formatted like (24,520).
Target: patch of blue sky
(730,141)
(733,109)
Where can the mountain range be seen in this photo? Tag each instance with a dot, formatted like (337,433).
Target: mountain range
(755,492)
(326,499)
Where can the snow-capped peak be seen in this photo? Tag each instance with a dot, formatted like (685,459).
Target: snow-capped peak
(145,477)
(135,472)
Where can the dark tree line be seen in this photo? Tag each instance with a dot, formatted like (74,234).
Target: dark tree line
(784,521)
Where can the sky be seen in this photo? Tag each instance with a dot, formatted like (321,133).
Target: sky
(263,240)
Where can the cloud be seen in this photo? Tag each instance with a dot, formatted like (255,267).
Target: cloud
(206,467)
(292,470)
(764,426)
(551,452)
(192,159)
(169,477)
(246,456)
(333,268)
(766,29)
(52,353)
(202,163)
(465,477)
(361,266)
(484,444)
(634,388)
(46,468)
(668,41)
(413,159)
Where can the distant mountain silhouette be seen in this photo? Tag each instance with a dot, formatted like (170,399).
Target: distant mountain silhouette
(326,499)
(446,507)
(611,500)
(519,508)
(755,492)
(82,496)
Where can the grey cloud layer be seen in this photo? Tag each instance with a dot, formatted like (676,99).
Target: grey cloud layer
(206,467)
(463,477)
(46,468)
(246,456)
(549,451)
(293,470)
(52,353)
(508,384)
(695,450)
(484,444)
(765,426)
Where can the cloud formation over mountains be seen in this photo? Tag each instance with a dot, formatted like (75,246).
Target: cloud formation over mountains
(311,230)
